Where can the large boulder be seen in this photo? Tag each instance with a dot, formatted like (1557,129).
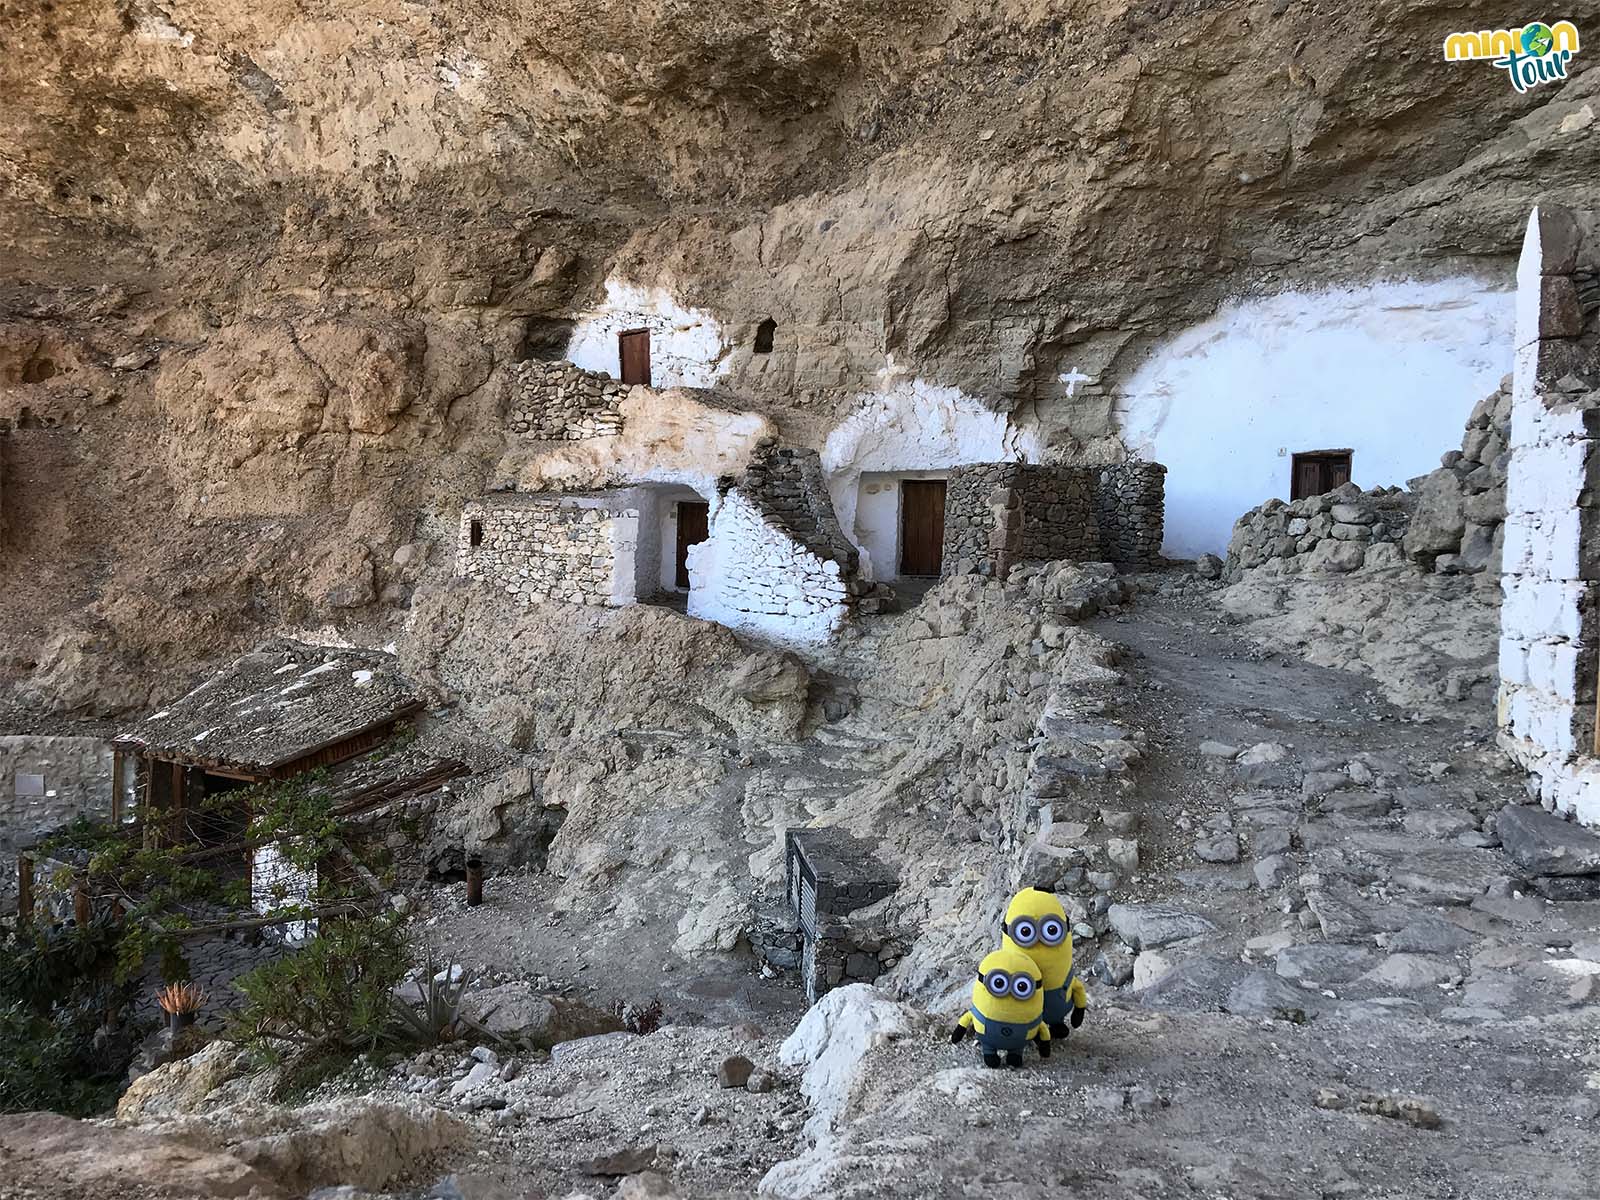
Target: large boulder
(1440,520)
(771,689)
(357,1142)
(181,1086)
(1545,844)
(833,1040)
(1146,926)
(518,1012)
(45,1154)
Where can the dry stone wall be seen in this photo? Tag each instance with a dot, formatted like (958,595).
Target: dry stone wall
(556,401)
(1448,522)
(777,563)
(1067,513)
(1549,624)
(1130,508)
(45,782)
(1339,531)
(572,549)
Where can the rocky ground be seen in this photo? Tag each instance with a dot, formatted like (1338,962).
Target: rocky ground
(1331,972)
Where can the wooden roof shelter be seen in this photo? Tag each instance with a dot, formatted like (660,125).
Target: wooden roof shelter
(281,710)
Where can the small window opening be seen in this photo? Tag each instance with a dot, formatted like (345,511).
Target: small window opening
(475,533)
(764,332)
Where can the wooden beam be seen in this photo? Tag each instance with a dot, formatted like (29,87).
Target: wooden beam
(315,914)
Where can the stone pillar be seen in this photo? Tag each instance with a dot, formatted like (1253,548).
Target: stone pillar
(1551,573)
(1005,540)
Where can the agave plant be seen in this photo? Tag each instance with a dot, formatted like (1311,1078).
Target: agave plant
(182,998)
(436,1016)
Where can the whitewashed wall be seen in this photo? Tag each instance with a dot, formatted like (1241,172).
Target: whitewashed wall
(277,883)
(687,346)
(1390,370)
(878,520)
(910,428)
(1546,721)
(754,577)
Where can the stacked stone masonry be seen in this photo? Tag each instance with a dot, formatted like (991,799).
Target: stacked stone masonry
(572,549)
(1068,513)
(787,486)
(556,401)
(45,783)
(1550,628)
(1449,522)
(1130,509)
(777,563)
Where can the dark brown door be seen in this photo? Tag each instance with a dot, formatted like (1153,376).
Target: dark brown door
(1313,474)
(693,528)
(633,350)
(921,526)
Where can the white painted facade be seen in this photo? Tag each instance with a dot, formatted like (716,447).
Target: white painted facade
(752,576)
(687,346)
(1544,724)
(276,883)
(916,430)
(878,519)
(1389,371)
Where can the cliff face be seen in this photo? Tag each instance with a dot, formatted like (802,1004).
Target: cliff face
(268,265)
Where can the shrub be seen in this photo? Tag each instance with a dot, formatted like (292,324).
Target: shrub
(57,984)
(333,994)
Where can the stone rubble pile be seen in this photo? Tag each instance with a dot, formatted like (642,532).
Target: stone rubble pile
(556,401)
(1449,522)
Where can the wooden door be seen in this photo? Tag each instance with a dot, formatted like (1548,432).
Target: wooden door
(921,526)
(693,528)
(1315,473)
(633,353)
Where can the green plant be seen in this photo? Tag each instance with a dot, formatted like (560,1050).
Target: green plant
(332,994)
(437,1016)
(57,1048)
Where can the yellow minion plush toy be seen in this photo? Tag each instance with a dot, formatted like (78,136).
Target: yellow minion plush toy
(1036,925)
(1007,1009)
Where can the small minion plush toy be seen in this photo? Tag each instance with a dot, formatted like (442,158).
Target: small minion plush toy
(1007,1010)
(1036,924)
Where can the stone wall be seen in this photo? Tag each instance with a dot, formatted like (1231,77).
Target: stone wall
(1334,533)
(777,564)
(1448,522)
(1130,508)
(576,549)
(1058,515)
(556,401)
(787,485)
(1549,626)
(74,780)
(1068,513)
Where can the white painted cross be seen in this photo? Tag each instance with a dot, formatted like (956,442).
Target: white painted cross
(1073,378)
(890,373)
